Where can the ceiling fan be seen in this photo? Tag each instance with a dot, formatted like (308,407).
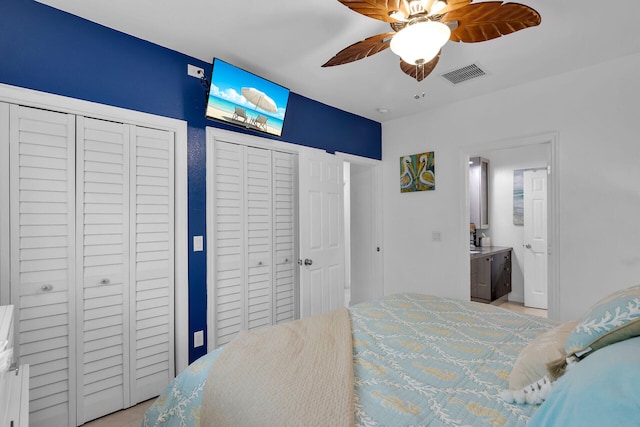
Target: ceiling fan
(422,27)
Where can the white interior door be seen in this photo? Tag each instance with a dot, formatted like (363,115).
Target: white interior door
(152,271)
(124,207)
(252,236)
(366,256)
(102,210)
(42,216)
(321,232)
(5,229)
(284,236)
(69,221)
(535,239)
(227,220)
(259,279)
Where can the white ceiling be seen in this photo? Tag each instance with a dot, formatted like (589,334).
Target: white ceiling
(287,41)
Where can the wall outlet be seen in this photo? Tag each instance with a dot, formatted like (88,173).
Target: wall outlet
(198,339)
(194,71)
(198,244)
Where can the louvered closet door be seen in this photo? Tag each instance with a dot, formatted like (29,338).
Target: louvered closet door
(259,237)
(284,236)
(103,247)
(152,253)
(254,239)
(42,192)
(229,246)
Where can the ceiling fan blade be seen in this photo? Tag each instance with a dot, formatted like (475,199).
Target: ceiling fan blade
(485,21)
(415,72)
(362,49)
(377,9)
(453,5)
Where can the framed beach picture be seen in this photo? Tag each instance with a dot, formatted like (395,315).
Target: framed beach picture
(417,172)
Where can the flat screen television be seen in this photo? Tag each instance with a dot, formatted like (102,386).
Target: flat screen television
(244,99)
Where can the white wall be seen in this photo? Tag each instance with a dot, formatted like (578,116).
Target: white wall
(502,231)
(595,114)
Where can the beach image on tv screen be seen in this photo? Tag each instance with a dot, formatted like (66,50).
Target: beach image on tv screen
(242,98)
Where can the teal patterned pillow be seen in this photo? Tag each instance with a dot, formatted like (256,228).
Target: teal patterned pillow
(614,318)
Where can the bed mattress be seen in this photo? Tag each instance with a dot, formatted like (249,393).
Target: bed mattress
(418,360)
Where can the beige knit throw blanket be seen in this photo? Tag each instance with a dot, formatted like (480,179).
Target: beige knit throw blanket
(295,374)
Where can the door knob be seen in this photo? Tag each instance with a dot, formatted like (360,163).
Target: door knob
(307,261)
(528,246)
(47,287)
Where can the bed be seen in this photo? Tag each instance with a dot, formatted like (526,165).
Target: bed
(417,360)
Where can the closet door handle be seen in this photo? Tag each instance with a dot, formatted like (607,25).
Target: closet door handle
(307,261)
(47,287)
(105,281)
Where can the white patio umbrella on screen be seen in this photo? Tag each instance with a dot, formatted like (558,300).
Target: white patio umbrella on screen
(259,99)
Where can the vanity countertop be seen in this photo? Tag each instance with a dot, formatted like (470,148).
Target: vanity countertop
(488,250)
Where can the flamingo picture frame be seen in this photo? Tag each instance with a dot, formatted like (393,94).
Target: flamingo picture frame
(417,172)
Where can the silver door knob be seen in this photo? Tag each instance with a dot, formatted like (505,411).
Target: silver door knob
(105,281)
(528,246)
(307,261)
(47,287)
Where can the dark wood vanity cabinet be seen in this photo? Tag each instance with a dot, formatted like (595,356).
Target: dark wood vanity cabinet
(490,275)
(500,274)
(481,278)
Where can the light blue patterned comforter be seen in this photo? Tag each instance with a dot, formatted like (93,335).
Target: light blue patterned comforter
(418,360)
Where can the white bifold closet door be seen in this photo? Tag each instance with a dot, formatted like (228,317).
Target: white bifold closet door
(124,186)
(254,283)
(103,268)
(42,247)
(284,236)
(92,262)
(151,254)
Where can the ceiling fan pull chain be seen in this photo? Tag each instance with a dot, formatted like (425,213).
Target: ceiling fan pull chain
(419,70)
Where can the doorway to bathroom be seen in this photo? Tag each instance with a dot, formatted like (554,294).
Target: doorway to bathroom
(513,167)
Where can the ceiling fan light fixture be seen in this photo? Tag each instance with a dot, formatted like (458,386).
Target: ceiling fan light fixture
(433,7)
(437,7)
(397,15)
(420,42)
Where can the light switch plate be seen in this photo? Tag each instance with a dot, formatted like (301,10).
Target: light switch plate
(198,244)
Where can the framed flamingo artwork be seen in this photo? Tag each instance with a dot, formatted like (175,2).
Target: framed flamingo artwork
(417,172)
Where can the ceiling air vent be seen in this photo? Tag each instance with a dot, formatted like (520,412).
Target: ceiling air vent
(463,74)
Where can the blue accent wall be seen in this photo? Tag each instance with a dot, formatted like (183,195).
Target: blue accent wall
(45,49)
